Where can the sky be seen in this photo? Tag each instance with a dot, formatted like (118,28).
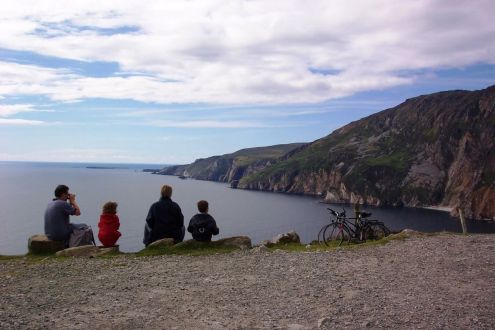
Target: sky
(167,82)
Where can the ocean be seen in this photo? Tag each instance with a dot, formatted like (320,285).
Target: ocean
(27,187)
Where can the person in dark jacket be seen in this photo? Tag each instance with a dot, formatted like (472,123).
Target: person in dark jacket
(164,220)
(202,225)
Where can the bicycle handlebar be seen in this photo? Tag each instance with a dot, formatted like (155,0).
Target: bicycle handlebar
(337,214)
(332,211)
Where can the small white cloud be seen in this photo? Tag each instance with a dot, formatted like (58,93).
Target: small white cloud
(7,110)
(12,109)
(20,122)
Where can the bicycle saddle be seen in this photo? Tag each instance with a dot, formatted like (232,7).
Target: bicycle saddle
(365,214)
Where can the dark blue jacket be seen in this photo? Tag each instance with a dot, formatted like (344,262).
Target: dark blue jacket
(202,226)
(164,220)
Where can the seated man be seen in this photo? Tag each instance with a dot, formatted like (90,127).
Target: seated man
(57,213)
(164,220)
(202,226)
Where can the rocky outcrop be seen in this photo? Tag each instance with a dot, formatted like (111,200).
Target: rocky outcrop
(87,251)
(241,242)
(432,150)
(161,243)
(232,167)
(40,244)
(286,238)
(238,242)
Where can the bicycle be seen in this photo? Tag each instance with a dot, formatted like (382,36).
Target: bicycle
(341,229)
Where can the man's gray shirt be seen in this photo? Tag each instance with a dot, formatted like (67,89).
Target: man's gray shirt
(57,223)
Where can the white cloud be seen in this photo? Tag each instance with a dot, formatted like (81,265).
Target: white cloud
(12,109)
(241,51)
(7,110)
(20,122)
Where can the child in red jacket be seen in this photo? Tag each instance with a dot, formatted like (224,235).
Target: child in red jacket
(109,225)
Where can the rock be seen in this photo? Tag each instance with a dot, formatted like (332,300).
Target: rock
(266,243)
(78,251)
(325,322)
(38,244)
(259,249)
(366,324)
(290,237)
(405,234)
(107,250)
(87,251)
(296,326)
(162,242)
(410,232)
(191,244)
(241,242)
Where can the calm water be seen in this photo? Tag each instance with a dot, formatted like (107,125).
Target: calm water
(26,188)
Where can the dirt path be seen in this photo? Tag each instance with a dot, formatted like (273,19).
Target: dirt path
(440,281)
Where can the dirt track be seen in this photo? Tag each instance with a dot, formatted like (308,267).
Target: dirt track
(443,281)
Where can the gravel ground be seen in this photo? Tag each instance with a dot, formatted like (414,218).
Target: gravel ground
(444,281)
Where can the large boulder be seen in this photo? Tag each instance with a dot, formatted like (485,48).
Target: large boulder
(192,244)
(406,233)
(87,251)
(40,244)
(162,242)
(241,242)
(290,237)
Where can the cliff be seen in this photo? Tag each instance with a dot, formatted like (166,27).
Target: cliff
(431,150)
(232,167)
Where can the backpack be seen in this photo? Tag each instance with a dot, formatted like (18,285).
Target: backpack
(81,235)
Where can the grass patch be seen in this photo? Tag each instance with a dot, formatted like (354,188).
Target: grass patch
(397,160)
(192,248)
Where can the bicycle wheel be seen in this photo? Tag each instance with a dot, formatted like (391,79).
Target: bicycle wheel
(320,233)
(336,234)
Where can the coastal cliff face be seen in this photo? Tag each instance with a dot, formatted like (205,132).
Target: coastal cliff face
(232,167)
(432,150)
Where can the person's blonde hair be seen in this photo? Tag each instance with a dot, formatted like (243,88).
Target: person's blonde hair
(166,191)
(110,208)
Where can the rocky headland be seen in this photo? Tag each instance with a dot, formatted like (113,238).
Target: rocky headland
(421,282)
(434,150)
(231,167)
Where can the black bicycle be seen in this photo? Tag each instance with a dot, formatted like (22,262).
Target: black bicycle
(346,230)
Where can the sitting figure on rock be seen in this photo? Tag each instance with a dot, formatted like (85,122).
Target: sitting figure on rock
(57,215)
(202,225)
(164,220)
(109,225)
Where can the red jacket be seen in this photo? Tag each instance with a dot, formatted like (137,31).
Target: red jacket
(108,233)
